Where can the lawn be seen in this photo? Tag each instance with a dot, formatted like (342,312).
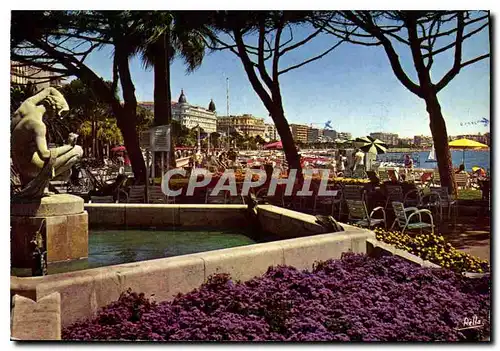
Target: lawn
(469,194)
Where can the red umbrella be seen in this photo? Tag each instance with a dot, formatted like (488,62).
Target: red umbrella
(276,145)
(118,149)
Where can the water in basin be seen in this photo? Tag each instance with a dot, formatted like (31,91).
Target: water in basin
(111,247)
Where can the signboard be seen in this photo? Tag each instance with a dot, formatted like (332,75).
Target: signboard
(144,139)
(160,138)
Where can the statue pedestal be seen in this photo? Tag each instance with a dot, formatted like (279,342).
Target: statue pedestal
(65,233)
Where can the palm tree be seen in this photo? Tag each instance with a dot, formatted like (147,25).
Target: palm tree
(167,35)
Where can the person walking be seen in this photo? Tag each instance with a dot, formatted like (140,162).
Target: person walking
(359,165)
(341,162)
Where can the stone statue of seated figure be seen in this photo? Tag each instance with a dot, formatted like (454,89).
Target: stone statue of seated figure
(35,162)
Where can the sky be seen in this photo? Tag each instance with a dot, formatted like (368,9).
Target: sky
(353,86)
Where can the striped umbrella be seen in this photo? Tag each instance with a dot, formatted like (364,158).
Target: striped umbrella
(371,145)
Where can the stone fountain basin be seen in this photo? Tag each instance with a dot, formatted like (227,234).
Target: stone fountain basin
(299,244)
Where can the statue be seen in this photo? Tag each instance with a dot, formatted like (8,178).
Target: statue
(35,162)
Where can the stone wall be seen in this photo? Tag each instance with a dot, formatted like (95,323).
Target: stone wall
(36,320)
(159,215)
(285,224)
(84,292)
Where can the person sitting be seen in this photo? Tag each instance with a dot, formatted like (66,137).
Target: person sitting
(461,169)
(408,162)
(480,172)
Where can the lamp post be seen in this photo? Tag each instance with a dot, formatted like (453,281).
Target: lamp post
(199,140)
(227,112)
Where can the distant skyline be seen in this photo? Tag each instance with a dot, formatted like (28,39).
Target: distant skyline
(353,86)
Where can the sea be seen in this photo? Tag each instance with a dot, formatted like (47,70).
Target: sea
(480,158)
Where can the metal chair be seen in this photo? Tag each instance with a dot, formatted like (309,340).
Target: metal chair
(383,175)
(462,180)
(330,202)
(137,194)
(102,200)
(374,178)
(404,221)
(235,200)
(359,213)
(436,178)
(121,194)
(439,198)
(220,198)
(413,197)
(393,193)
(156,196)
(353,192)
(393,175)
(277,199)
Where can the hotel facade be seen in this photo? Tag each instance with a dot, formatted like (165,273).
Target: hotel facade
(189,115)
(246,124)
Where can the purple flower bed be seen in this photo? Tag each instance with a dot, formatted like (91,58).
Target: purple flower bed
(356,298)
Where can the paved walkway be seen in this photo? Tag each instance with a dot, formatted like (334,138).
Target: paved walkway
(471,235)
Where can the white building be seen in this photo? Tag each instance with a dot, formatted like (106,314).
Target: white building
(271,132)
(189,115)
(22,74)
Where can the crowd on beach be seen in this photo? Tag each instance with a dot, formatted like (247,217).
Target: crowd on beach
(218,160)
(344,163)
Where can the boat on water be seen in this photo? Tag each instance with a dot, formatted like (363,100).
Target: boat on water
(432,155)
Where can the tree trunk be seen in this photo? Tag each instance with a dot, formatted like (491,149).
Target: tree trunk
(440,139)
(283,128)
(94,135)
(127,120)
(165,58)
(161,83)
(274,105)
(168,58)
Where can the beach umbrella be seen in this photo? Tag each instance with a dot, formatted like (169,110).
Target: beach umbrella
(481,169)
(276,145)
(371,145)
(118,149)
(466,144)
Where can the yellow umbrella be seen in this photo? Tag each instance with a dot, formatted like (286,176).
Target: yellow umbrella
(466,144)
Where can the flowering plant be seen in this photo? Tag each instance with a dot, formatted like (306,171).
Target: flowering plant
(356,298)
